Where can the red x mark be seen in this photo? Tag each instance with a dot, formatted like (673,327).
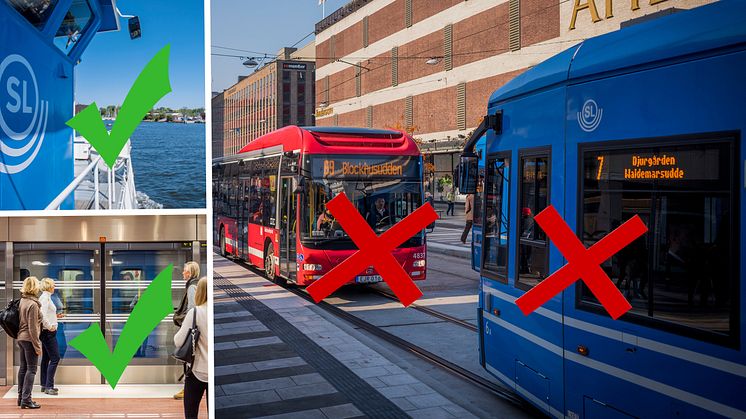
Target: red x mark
(582,263)
(374,250)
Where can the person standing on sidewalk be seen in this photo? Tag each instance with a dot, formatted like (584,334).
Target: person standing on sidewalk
(191,276)
(28,341)
(195,378)
(469,215)
(50,357)
(449,199)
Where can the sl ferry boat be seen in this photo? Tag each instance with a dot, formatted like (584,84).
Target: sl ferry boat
(42,166)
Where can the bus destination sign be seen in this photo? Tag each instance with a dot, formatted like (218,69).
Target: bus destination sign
(366,167)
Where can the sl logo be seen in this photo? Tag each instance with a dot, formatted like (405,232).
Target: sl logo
(590,116)
(23,115)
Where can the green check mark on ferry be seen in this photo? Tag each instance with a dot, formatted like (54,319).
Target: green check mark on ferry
(150,86)
(153,306)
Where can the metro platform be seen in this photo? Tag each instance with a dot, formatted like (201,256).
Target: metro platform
(277,355)
(99,401)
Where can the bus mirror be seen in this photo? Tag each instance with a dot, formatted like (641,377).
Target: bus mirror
(134,26)
(467,174)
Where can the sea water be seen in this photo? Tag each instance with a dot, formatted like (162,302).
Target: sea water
(169,164)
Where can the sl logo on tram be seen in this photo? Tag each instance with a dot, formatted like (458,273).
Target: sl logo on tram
(23,114)
(590,116)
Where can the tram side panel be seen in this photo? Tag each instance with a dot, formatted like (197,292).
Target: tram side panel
(525,352)
(36,99)
(679,352)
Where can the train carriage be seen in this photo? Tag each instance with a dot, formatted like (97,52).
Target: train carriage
(644,121)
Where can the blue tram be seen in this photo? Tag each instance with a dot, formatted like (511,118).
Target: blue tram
(648,120)
(41,41)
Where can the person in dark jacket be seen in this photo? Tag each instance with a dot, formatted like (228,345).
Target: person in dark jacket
(379,214)
(191,276)
(28,341)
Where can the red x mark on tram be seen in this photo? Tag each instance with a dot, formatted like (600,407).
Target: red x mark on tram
(582,263)
(374,250)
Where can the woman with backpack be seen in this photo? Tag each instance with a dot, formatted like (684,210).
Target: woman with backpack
(28,341)
(196,374)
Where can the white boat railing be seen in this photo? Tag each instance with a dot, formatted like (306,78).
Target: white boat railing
(112,189)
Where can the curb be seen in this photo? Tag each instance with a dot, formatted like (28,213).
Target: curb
(444,249)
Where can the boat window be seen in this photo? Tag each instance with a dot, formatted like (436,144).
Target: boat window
(683,273)
(75,23)
(533,246)
(496,217)
(35,11)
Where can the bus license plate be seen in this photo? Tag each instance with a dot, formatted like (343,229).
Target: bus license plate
(368,279)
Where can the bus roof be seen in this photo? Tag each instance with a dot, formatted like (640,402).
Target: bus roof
(705,28)
(336,140)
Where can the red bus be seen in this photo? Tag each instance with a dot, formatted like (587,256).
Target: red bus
(269,199)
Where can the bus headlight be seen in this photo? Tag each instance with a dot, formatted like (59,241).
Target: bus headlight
(311,267)
(419,263)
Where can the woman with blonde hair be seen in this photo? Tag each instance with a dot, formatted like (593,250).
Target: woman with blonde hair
(50,357)
(195,381)
(190,273)
(28,341)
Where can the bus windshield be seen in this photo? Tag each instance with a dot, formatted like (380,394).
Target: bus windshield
(384,189)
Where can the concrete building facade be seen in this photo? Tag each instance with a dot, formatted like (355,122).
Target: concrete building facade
(428,67)
(278,94)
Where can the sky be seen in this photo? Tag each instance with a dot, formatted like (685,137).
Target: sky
(112,62)
(260,26)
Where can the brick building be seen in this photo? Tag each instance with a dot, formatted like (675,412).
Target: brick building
(218,103)
(429,66)
(276,95)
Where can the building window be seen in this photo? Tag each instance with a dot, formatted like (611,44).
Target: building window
(533,197)
(682,275)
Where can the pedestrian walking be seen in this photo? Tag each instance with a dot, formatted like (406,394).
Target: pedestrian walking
(469,216)
(450,200)
(28,341)
(195,375)
(50,356)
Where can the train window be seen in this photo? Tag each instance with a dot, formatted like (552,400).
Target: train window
(496,217)
(35,11)
(75,23)
(683,273)
(533,246)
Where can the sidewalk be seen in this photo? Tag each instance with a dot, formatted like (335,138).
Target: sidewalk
(99,401)
(275,355)
(446,237)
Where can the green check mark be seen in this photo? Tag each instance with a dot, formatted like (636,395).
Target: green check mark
(153,306)
(150,86)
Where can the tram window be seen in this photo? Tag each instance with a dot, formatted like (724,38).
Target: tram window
(496,216)
(73,25)
(35,11)
(683,273)
(533,246)
(478,198)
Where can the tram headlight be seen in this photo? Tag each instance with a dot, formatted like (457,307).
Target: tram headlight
(311,267)
(419,263)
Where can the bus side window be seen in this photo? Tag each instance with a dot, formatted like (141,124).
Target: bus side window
(533,197)
(75,23)
(496,217)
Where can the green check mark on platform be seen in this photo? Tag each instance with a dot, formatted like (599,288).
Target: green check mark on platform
(153,306)
(150,86)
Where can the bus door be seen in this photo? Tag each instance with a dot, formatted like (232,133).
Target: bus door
(287,226)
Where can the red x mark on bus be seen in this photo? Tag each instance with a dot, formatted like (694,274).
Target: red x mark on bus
(374,250)
(582,263)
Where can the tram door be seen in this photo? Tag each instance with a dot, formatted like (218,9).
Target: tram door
(84,299)
(287,229)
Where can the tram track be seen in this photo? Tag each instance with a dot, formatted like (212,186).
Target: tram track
(420,352)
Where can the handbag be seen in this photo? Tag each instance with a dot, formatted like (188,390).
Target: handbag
(10,318)
(186,352)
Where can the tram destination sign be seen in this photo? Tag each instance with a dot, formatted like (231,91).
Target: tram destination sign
(353,167)
(658,165)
